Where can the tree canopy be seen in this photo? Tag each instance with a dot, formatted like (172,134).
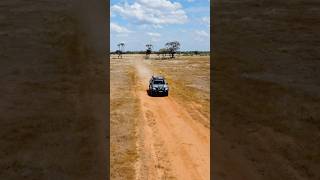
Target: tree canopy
(172,47)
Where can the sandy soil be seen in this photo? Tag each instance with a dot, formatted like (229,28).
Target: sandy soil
(175,144)
(170,142)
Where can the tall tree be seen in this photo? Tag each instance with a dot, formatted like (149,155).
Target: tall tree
(149,49)
(173,47)
(120,50)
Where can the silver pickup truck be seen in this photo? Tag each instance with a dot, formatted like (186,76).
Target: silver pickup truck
(158,86)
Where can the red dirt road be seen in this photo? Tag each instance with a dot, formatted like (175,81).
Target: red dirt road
(172,144)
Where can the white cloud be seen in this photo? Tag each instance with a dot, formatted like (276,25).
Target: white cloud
(154,34)
(155,37)
(118,29)
(197,9)
(121,35)
(206,20)
(201,33)
(166,4)
(112,14)
(183,30)
(190,0)
(155,12)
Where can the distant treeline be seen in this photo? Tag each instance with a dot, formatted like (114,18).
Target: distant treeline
(183,53)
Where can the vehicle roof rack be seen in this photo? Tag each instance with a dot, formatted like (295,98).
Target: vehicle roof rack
(158,77)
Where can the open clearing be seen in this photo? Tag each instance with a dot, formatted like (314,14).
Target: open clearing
(160,137)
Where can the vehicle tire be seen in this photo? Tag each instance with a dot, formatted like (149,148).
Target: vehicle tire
(167,93)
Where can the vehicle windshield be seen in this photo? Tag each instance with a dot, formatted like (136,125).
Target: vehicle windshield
(158,82)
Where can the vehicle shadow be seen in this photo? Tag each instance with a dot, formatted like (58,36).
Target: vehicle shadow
(154,95)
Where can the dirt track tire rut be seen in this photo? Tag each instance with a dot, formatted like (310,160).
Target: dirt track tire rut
(175,145)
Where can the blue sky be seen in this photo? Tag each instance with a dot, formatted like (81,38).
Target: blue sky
(141,22)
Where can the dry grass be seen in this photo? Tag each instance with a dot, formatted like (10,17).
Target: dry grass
(124,109)
(189,77)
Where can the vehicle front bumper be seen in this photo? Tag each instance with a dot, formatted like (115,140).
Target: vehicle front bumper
(159,91)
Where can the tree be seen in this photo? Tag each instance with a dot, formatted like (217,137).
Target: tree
(149,50)
(121,46)
(173,47)
(120,50)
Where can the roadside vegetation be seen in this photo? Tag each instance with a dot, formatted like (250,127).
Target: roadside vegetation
(124,111)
